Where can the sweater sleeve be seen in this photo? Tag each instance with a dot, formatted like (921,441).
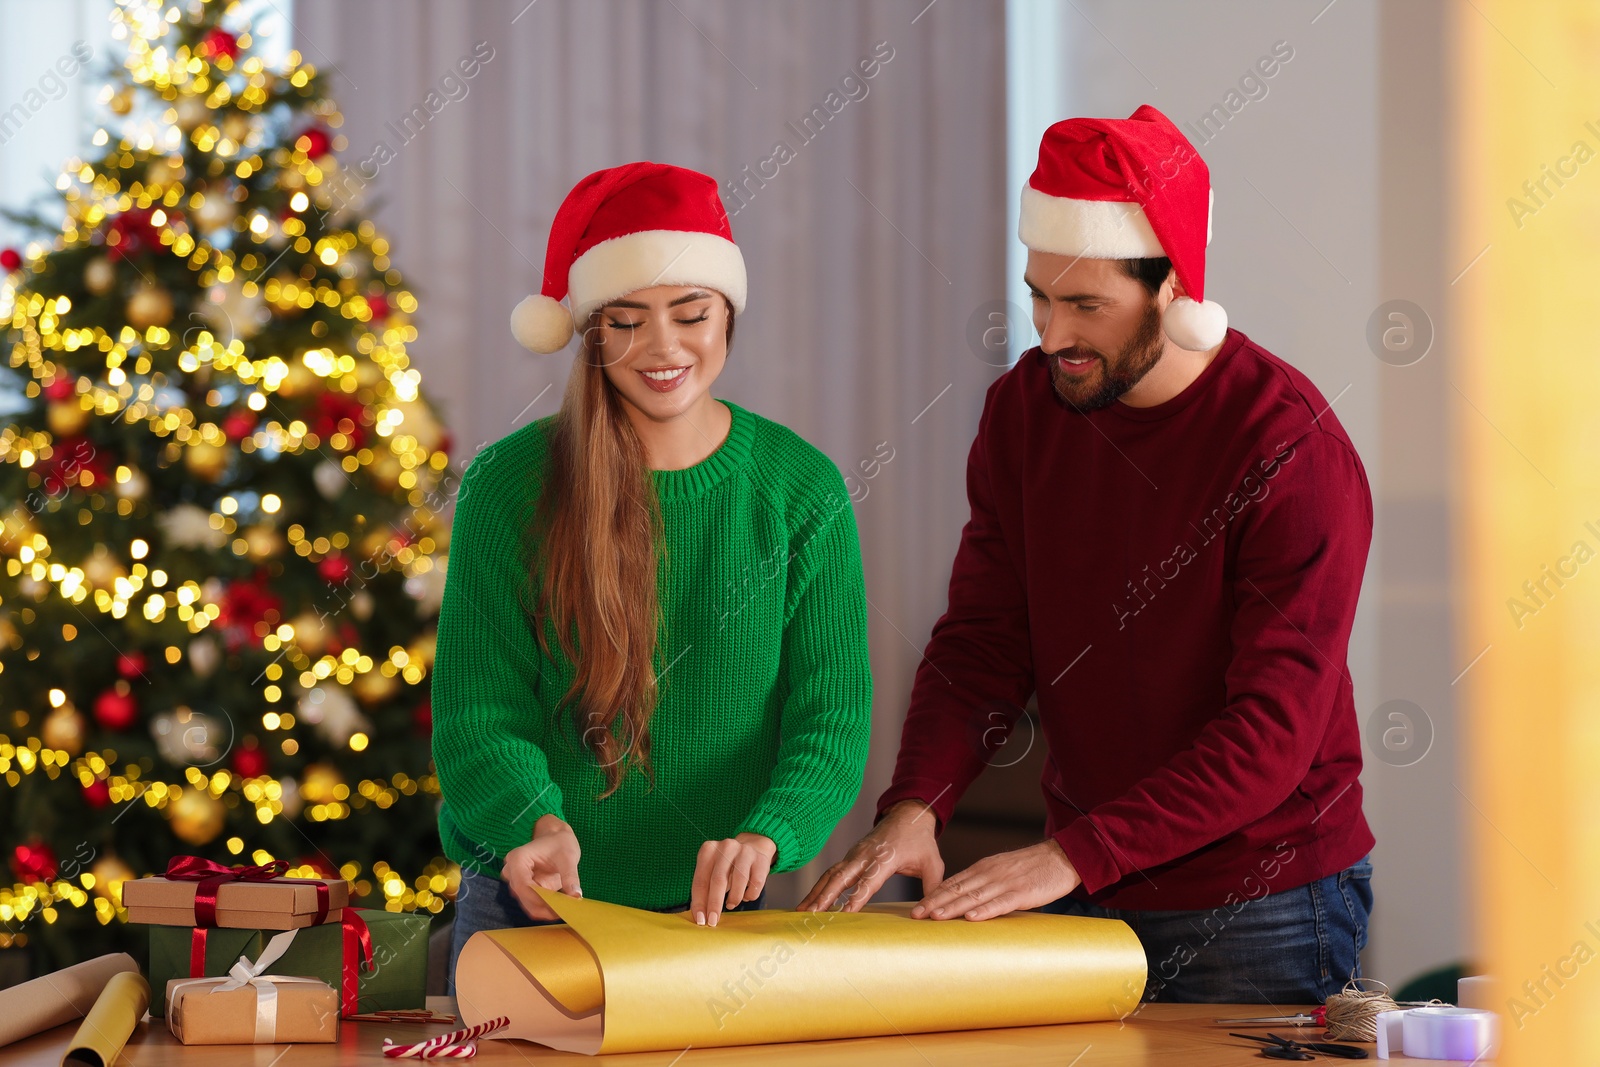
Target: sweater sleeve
(827,675)
(486,695)
(977,671)
(1297,570)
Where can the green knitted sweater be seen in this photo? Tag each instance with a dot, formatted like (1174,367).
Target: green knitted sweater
(766,699)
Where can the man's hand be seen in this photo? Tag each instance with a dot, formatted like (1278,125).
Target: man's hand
(901,843)
(729,872)
(549,860)
(1010,881)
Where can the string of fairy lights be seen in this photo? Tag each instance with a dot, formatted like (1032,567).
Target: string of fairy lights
(211,92)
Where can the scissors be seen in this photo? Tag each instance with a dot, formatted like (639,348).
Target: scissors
(1279,1048)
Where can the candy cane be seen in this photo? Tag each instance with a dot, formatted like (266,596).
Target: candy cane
(458,1044)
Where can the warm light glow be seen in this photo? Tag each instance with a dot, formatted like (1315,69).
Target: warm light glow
(139,549)
(57,698)
(358,742)
(270,503)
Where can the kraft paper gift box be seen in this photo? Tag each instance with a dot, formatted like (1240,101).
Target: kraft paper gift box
(234,898)
(251,1005)
(304,1010)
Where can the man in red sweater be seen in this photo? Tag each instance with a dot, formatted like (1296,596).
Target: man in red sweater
(1169,528)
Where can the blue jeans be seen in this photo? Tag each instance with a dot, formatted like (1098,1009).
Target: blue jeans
(484,902)
(1297,946)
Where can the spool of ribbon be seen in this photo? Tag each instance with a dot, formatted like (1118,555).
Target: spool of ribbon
(244,973)
(1447,1033)
(456,1045)
(212,876)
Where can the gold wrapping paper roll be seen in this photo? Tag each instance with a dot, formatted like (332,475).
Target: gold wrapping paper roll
(110,1022)
(616,979)
(59,997)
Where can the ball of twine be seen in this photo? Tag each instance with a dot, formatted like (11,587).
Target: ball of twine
(1353,1012)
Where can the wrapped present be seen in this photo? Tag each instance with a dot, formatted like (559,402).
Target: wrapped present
(197,892)
(250,1006)
(378,960)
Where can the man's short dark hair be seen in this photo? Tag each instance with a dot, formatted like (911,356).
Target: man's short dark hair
(1149,273)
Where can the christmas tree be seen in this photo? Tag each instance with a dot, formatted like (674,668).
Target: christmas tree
(221,547)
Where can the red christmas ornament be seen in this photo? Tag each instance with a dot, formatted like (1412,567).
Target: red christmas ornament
(379,305)
(60,389)
(246,604)
(249,760)
(329,410)
(317,142)
(69,458)
(34,862)
(132,233)
(422,717)
(239,425)
(131,664)
(115,709)
(219,42)
(10,259)
(334,568)
(97,794)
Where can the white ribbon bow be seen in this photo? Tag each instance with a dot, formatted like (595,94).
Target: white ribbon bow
(244,973)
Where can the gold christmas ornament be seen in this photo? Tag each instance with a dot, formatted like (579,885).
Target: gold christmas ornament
(385,469)
(206,460)
(150,305)
(299,380)
(64,728)
(190,111)
(102,568)
(374,687)
(216,211)
(99,276)
(236,127)
(196,816)
(311,633)
(66,417)
(263,542)
(165,171)
(121,101)
(109,873)
(319,782)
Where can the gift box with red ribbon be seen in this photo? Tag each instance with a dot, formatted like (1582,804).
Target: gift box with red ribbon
(376,960)
(200,893)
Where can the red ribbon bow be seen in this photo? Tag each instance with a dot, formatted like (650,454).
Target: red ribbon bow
(212,876)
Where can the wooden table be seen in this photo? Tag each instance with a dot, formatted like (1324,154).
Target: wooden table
(1158,1033)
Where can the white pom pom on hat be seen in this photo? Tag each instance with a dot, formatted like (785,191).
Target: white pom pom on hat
(1131,188)
(626,228)
(541,324)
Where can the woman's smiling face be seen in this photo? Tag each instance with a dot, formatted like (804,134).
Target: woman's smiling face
(662,347)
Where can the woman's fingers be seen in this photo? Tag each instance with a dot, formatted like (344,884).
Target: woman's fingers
(834,881)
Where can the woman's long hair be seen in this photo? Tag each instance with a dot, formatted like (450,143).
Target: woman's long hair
(598,532)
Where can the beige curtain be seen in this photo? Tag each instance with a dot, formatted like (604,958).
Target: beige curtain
(874,244)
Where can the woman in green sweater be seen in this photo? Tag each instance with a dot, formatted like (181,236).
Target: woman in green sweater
(651,683)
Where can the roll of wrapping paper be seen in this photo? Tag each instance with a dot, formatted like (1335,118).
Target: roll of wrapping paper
(617,979)
(59,997)
(110,1022)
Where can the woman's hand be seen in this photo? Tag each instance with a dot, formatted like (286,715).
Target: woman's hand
(729,872)
(550,860)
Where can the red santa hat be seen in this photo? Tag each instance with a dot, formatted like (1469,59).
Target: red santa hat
(627,228)
(1131,188)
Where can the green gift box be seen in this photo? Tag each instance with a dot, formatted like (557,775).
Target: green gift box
(398,979)
(169,955)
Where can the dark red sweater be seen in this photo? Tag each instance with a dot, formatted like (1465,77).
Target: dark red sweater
(1177,584)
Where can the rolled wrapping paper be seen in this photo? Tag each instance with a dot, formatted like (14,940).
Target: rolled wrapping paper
(1446,1033)
(616,979)
(59,997)
(110,1022)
